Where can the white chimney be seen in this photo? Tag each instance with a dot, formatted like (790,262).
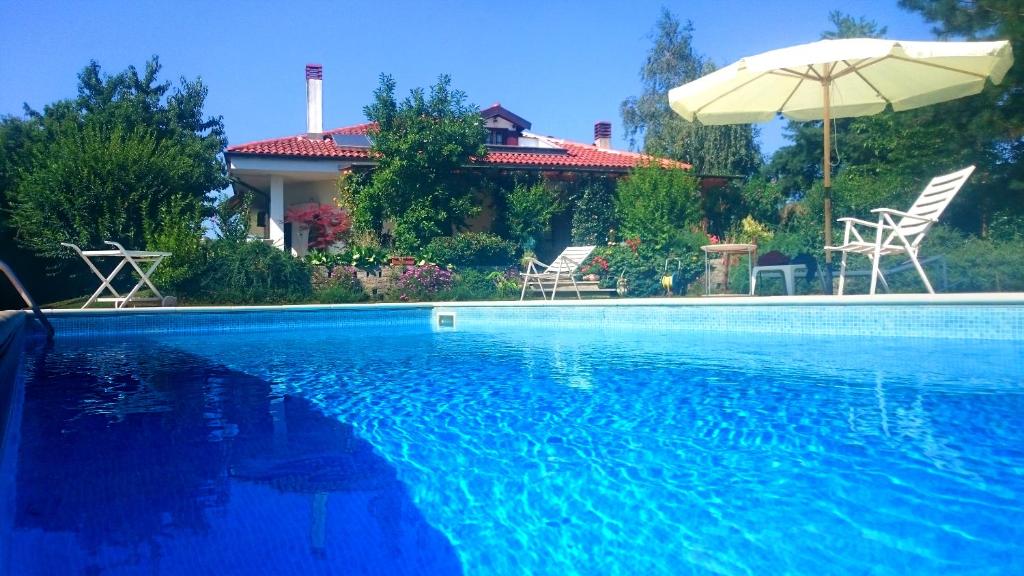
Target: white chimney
(314,101)
(603,135)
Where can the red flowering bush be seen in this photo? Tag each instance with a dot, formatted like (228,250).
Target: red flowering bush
(327,224)
(633,243)
(597,265)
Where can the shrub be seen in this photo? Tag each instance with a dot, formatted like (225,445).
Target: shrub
(762,198)
(753,232)
(654,203)
(483,284)
(528,212)
(472,284)
(419,283)
(240,272)
(364,257)
(973,264)
(181,234)
(471,249)
(642,264)
(507,283)
(594,212)
(342,286)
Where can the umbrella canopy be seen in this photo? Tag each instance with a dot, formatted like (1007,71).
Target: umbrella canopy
(864,76)
(841,79)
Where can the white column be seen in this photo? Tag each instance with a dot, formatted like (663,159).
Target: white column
(275,220)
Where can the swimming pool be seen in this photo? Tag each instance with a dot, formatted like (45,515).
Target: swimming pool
(390,445)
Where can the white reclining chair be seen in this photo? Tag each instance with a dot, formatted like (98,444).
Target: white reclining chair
(561,271)
(899,237)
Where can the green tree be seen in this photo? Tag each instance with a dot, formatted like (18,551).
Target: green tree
(847,26)
(798,166)
(991,123)
(593,215)
(422,146)
(672,61)
(528,211)
(18,137)
(655,203)
(914,145)
(108,164)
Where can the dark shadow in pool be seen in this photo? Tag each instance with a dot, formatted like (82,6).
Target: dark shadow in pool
(160,461)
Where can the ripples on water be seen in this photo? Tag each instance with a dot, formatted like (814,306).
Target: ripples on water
(528,451)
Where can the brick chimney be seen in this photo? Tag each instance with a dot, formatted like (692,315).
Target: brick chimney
(314,101)
(603,135)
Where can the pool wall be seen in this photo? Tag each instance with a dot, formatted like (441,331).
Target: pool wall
(11,323)
(959,316)
(997,321)
(11,345)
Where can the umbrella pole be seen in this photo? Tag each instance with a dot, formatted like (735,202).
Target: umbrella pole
(826,168)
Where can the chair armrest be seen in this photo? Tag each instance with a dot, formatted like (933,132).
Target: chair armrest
(890,211)
(851,220)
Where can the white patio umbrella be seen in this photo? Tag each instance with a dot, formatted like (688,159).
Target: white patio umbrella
(840,79)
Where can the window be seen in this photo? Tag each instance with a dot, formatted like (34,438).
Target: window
(496,137)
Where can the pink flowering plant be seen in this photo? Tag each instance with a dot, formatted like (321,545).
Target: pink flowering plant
(421,282)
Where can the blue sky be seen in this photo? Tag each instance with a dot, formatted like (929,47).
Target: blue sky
(562,65)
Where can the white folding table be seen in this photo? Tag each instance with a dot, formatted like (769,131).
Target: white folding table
(128,257)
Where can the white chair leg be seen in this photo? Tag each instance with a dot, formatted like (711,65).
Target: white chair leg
(920,272)
(874,272)
(885,284)
(842,273)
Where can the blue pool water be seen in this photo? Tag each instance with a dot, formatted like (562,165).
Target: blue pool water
(519,451)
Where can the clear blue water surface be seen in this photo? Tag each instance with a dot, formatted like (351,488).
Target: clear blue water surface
(526,451)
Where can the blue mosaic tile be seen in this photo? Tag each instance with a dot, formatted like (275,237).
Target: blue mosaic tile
(955,321)
(219,321)
(985,322)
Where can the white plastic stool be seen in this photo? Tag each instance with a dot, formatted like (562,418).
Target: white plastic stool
(788,272)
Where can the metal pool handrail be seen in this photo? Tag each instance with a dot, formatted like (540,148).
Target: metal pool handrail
(27,298)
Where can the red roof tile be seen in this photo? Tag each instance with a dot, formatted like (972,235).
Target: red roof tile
(567,155)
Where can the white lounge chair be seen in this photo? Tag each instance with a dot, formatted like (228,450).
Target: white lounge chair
(561,271)
(899,237)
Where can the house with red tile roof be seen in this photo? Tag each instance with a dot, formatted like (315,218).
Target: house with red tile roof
(304,168)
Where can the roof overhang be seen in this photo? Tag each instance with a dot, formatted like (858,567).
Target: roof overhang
(290,167)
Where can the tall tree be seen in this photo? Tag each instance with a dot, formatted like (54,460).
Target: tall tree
(911,146)
(798,165)
(994,120)
(108,164)
(648,118)
(847,26)
(422,145)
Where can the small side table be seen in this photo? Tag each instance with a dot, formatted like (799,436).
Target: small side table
(726,250)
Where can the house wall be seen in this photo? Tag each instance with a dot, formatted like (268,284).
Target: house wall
(499,122)
(295,193)
(484,220)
